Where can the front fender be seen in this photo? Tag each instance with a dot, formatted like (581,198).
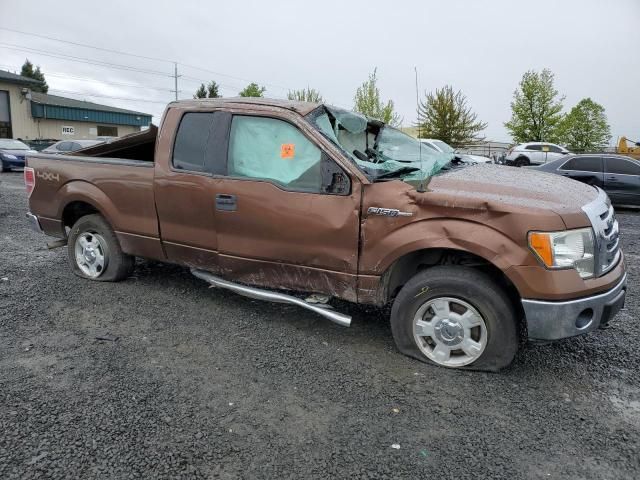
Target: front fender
(463,235)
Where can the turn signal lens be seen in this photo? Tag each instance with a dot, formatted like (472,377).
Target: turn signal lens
(541,245)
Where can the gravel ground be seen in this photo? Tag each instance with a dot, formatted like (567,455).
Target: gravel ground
(203,383)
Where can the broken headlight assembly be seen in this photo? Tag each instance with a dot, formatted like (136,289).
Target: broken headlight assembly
(567,249)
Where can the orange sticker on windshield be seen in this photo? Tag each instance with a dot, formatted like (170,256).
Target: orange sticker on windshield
(287,150)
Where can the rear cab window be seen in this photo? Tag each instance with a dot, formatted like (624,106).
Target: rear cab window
(200,143)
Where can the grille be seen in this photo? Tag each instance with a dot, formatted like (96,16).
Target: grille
(607,235)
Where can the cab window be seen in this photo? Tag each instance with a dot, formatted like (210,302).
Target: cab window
(200,144)
(584,164)
(189,150)
(622,166)
(269,149)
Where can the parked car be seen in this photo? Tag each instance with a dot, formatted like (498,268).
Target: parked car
(443,147)
(12,153)
(617,175)
(261,196)
(533,153)
(39,144)
(68,146)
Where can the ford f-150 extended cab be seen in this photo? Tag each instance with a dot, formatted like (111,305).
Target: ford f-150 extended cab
(300,202)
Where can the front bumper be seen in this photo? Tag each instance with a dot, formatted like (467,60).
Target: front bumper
(34,223)
(556,320)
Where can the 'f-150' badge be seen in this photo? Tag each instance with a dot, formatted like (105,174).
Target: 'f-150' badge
(388,212)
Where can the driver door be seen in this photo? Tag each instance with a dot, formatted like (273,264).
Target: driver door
(286,215)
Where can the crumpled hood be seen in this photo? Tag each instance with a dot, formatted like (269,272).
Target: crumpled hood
(514,187)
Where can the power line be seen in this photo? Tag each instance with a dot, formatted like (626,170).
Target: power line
(84,60)
(108,96)
(231,76)
(119,52)
(84,79)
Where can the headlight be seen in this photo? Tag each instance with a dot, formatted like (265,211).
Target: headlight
(8,156)
(568,249)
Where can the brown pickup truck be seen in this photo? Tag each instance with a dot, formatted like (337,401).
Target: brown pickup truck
(300,203)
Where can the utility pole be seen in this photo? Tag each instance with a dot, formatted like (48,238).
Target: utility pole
(175,78)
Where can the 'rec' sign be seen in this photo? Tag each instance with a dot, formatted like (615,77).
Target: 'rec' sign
(68,130)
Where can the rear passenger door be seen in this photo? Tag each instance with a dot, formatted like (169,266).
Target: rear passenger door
(587,169)
(622,180)
(185,184)
(287,215)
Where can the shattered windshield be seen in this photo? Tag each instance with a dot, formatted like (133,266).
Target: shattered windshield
(380,151)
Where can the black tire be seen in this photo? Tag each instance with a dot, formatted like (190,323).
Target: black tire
(5,168)
(521,162)
(472,287)
(118,265)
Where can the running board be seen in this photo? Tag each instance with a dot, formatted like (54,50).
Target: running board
(258,294)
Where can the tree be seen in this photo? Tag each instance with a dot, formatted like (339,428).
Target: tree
(210,91)
(252,90)
(536,109)
(305,95)
(28,71)
(585,127)
(445,115)
(367,101)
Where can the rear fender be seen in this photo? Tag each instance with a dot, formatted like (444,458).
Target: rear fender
(81,191)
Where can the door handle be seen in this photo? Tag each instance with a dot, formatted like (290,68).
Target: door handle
(612,179)
(225,202)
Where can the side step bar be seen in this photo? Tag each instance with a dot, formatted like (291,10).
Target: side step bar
(258,294)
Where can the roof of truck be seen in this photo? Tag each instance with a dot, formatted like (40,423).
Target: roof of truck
(300,107)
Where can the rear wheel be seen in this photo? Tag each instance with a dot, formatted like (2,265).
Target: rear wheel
(521,162)
(94,251)
(455,317)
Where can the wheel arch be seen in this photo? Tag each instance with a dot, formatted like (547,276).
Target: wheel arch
(83,198)
(411,263)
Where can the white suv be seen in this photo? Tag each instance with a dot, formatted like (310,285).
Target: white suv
(534,153)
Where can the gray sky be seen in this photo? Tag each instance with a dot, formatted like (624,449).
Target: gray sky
(480,47)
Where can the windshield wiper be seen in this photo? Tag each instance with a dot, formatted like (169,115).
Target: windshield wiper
(395,173)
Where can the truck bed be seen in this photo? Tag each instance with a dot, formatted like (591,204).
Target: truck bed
(121,189)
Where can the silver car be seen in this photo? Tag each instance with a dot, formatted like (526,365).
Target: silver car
(68,146)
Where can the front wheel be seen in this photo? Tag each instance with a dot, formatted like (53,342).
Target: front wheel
(95,253)
(455,317)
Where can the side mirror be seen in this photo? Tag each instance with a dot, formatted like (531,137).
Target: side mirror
(335,181)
